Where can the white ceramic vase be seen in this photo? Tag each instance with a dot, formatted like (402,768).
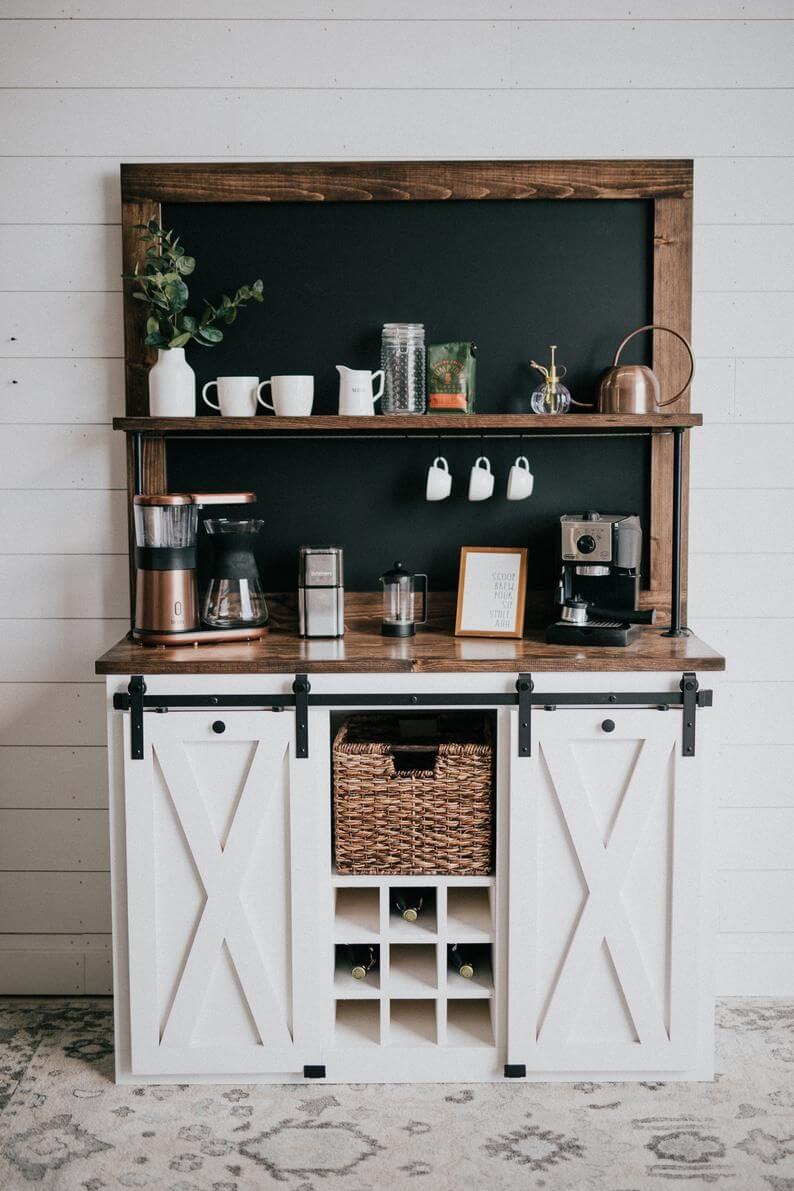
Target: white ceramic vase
(172,385)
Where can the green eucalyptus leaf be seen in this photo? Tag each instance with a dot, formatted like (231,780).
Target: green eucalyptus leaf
(180,340)
(188,323)
(156,340)
(140,297)
(152,325)
(211,334)
(230,316)
(185,265)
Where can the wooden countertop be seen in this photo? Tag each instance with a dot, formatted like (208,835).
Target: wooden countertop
(363,650)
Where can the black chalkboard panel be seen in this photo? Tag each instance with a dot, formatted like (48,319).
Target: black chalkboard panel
(512,276)
(367,495)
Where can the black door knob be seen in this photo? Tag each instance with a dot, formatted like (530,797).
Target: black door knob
(218,726)
(608,726)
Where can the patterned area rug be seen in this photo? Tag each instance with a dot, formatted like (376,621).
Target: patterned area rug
(64,1124)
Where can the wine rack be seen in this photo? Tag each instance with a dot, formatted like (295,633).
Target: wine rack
(414,997)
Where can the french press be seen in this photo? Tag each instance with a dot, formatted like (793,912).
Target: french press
(399,600)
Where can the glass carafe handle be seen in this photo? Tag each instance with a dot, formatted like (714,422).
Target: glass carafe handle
(424,598)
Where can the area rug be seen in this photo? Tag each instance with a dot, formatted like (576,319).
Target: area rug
(65,1125)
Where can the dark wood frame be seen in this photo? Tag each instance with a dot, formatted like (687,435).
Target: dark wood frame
(667,183)
(521,595)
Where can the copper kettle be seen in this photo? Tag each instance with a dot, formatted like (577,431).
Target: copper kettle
(635,388)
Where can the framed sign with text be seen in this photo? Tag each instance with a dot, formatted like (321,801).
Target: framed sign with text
(492,586)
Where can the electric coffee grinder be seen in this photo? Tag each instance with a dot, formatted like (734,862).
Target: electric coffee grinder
(599,587)
(166,588)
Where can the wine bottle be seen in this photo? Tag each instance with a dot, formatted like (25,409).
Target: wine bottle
(408,906)
(361,960)
(461,961)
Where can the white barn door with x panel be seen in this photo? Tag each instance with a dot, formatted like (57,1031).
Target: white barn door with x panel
(215,813)
(607,970)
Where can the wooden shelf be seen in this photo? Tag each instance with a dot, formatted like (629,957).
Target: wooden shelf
(428,424)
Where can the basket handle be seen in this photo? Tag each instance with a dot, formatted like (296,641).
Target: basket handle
(427,771)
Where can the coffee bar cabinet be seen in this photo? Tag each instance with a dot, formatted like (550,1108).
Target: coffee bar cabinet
(577,946)
(590,934)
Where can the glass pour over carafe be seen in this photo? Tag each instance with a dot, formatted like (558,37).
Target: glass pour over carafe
(234,598)
(399,602)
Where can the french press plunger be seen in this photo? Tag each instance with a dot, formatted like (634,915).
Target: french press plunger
(399,599)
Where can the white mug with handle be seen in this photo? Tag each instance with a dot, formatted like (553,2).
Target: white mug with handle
(439,480)
(237,395)
(520,480)
(481,479)
(293,396)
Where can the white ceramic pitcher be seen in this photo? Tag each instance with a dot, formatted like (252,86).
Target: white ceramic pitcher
(355,390)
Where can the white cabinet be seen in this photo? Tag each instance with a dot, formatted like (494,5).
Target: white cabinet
(219,910)
(605,909)
(592,933)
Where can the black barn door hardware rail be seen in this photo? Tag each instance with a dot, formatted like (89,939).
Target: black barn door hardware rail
(689,697)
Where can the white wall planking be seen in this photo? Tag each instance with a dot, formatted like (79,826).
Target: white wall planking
(54,902)
(721,587)
(755,837)
(90,587)
(738,521)
(754,712)
(261,54)
(60,257)
(80,324)
(52,777)
(60,841)
(442,10)
(752,645)
(61,391)
(745,257)
(755,775)
(61,457)
(747,456)
(753,901)
(55,650)
(44,713)
(402,123)
(744,324)
(63,522)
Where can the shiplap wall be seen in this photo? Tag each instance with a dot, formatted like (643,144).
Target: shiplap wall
(87,85)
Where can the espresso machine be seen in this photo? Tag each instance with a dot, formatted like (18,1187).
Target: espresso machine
(599,588)
(166,587)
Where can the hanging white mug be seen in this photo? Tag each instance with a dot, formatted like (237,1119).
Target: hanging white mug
(293,396)
(356,396)
(439,480)
(481,479)
(237,395)
(520,480)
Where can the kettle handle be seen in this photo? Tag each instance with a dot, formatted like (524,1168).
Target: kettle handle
(678,335)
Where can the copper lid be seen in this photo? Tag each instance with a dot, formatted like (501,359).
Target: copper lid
(196,498)
(223,498)
(164,498)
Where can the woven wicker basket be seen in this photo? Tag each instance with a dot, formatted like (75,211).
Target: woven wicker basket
(391,817)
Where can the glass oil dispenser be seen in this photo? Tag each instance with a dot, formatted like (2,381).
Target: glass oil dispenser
(399,602)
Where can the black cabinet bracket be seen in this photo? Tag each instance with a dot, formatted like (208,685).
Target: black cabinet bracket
(301,687)
(515,1070)
(137,689)
(689,692)
(525,686)
(316,1071)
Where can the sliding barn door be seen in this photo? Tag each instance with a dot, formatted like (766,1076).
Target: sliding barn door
(218,968)
(605,905)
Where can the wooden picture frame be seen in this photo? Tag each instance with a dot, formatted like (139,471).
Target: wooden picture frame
(667,183)
(479,566)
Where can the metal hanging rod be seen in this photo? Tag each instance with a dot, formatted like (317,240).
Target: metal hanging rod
(422,434)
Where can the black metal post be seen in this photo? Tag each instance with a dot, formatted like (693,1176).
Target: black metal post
(675,629)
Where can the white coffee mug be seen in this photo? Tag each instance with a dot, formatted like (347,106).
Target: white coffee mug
(481,479)
(520,480)
(439,480)
(237,395)
(293,396)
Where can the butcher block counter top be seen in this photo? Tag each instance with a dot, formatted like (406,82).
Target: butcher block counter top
(363,650)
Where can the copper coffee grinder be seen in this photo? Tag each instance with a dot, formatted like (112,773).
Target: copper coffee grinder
(166,589)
